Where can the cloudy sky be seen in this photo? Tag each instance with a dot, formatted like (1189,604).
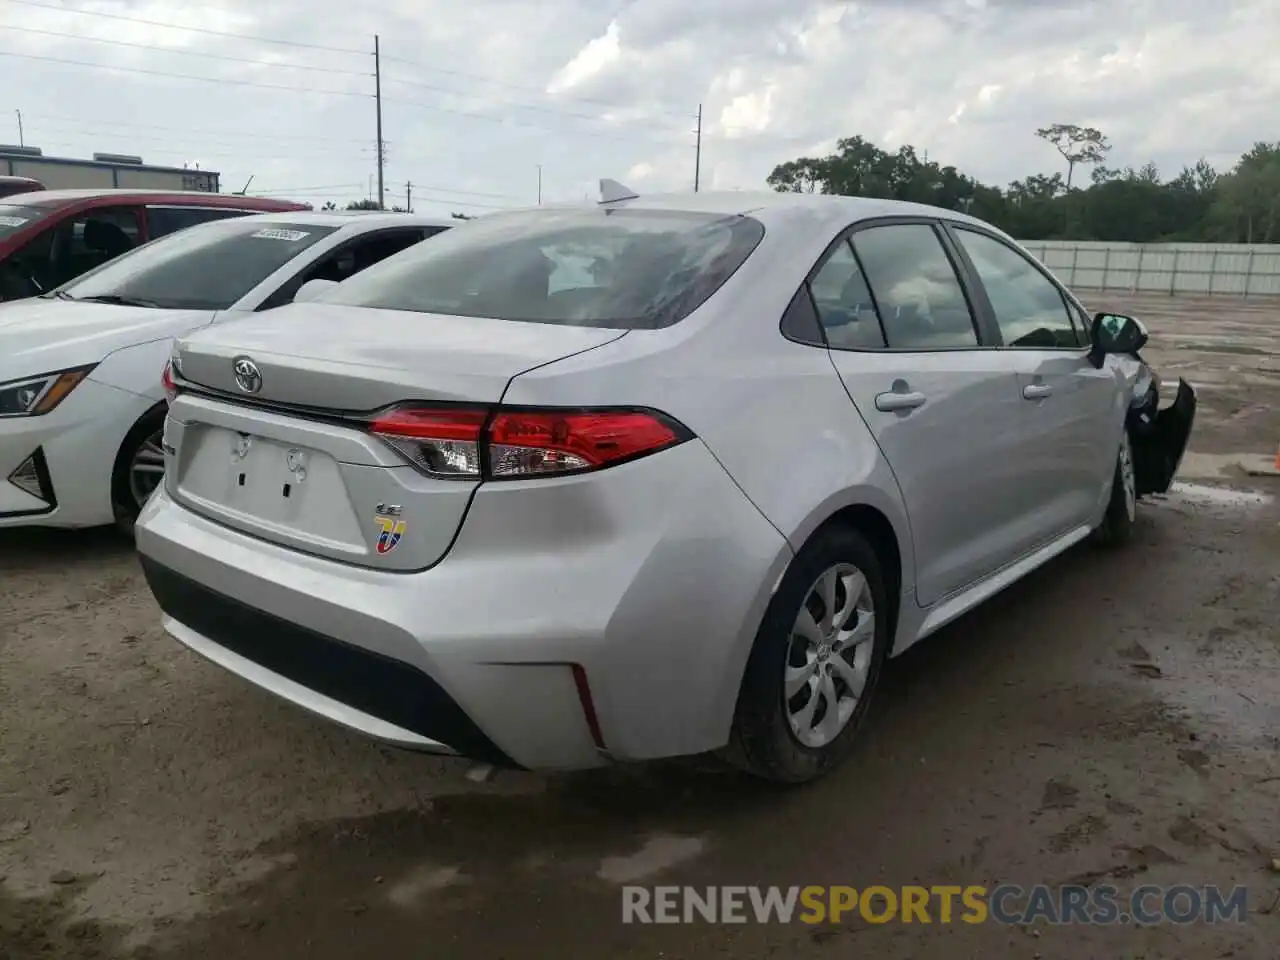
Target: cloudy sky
(479,93)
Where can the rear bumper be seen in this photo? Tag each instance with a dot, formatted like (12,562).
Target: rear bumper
(648,581)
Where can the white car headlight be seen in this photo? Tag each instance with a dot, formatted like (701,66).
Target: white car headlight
(35,396)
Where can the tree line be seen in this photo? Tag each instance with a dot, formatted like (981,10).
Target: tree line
(373,205)
(1241,205)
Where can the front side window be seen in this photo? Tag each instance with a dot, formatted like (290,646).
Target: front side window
(209,267)
(922,304)
(621,269)
(71,247)
(1029,308)
(844,304)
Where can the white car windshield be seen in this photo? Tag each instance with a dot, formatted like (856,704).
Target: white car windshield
(206,267)
(624,269)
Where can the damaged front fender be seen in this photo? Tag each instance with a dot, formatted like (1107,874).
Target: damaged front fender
(1159,439)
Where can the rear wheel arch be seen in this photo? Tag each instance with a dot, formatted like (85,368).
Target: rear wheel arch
(857,534)
(879,532)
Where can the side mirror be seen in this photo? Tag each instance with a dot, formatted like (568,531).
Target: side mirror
(1117,333)
(312,289)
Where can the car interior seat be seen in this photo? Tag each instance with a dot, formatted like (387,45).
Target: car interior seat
(106,238)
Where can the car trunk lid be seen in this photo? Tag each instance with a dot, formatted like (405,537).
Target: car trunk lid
(294,462)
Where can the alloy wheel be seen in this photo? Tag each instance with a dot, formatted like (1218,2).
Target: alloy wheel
(146,470)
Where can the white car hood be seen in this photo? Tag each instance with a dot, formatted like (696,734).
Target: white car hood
(42,336)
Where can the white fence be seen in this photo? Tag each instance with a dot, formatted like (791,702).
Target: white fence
(1231,269)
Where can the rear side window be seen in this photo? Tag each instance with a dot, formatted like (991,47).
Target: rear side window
(209,267)
(347,260)
(922,304)
(165,220)
(621,269)
(844,304)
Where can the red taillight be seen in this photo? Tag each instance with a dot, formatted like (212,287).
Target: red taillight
(508,444)
(166,381)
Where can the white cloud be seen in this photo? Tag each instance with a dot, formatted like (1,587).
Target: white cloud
(478,95)
(594,57)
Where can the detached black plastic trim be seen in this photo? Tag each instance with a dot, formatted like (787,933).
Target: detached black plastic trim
(391,690)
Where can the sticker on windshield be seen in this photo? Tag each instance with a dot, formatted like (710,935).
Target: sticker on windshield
(12,221)
(275,233)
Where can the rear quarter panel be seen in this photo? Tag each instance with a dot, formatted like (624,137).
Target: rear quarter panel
(773,413)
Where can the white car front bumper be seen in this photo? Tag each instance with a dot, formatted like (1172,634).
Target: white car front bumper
(69,453)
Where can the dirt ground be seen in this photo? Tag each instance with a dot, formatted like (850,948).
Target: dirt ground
(1114,716)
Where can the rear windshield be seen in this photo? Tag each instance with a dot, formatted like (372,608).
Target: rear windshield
(623,269)
(205,267)
(14,218)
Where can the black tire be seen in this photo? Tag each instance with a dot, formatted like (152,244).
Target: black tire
(123,500)
(1116,528)
(762,741)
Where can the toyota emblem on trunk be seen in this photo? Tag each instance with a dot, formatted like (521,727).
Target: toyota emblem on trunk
(248,376)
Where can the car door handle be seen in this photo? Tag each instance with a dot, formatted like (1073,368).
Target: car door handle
(1037,391)
(887,402)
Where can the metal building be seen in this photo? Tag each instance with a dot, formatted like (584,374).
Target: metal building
(104,171)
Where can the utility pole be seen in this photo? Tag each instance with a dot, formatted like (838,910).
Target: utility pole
(408,196)
(697,152)
(377,97)
(21,141)
(539,184)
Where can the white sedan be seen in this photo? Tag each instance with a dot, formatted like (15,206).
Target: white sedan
(81,402)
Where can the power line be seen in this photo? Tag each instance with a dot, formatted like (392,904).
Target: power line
(304,190)
(176,26)
(324,92)
(115,125)
(185,53)
(505,83)
(555,111)
(179,76)
(307,46)
(449,201)
(232,151)
(490,118)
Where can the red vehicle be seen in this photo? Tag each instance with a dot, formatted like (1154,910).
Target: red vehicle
(12,185)
(52,236)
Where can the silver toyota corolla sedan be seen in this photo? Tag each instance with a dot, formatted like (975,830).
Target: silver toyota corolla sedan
(652,477)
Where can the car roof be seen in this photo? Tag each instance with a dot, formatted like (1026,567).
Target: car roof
(359,219)
(345,219)
(62,198)
(815,209)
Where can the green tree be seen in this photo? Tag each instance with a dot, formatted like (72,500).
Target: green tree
(1119,204)
(1076,144)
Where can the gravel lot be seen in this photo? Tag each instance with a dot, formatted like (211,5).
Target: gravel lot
(1115,715)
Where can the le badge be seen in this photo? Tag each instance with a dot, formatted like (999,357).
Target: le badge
(391,528)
